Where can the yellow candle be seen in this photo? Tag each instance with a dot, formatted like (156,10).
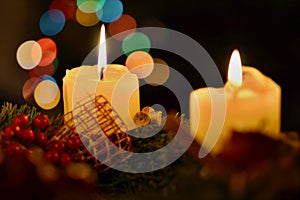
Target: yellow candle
(116,84)
(252,105)
(115,76)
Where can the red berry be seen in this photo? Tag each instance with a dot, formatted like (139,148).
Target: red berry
(70,144)
(52,156)
(21,120)
(9,132)
(58,145)
(41,138)
(18,131)
(48,156)
(65,159)
(17,121)
(76,141)
(28,135)
(28,153)
(41,121)
(55,157)
(14,149)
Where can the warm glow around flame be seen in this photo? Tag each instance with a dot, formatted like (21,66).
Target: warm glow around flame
(102,57)
(235,69)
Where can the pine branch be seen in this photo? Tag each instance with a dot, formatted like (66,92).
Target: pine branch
(10,111)
(156,181)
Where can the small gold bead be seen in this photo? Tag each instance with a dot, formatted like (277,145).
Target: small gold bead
(142,118)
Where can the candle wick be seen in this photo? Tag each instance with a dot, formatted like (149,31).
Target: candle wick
(232,89)
(102,73)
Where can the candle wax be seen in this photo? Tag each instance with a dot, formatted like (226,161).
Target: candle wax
(118,86)
(252,107)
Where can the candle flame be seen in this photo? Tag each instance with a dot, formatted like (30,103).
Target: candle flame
(102,57)
(235,69)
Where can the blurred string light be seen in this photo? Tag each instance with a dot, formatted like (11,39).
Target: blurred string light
(47,77)
(49,69)
(47,94)
(49,51)
(140,63)
(39,71)
(86,19)
(90,6)
(160,73)
(68,7)
(42,91)
(28,89)
(39,57)
(52,22)
(111,11)
(124,23)
(136,41)
(29,54)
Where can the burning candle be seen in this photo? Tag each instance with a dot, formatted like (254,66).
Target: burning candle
(113,81)
(252,105)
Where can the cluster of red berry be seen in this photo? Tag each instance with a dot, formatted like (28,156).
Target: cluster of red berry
(19,137)
(20,131)
(59,151)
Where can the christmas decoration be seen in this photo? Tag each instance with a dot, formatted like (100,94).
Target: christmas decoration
(146,116)
(64,136)
(59,139)
(251,165)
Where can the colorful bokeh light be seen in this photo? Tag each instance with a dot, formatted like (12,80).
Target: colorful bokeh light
(124,23)
(52,22)
(86,19)
(49,51)
(48,77)
(136,41)
(55,63)
(47,94)
(39,71)
(40,57)
(68,7)
(90,6)
(111,11)
(28,89)
(140,63)
(29,54)
(160,73)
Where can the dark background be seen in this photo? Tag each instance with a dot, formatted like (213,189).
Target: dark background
(265,31)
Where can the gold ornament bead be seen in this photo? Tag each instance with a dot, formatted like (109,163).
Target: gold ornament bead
(148,109)
(142,119)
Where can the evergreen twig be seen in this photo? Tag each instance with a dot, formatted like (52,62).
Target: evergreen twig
(10,111)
